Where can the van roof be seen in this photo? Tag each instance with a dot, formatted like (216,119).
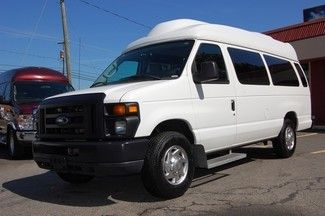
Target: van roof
(181,29)
(33,73)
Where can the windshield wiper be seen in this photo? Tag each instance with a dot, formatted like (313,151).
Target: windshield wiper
(98,84)
(139,76)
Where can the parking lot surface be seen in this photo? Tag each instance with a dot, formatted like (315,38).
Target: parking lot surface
(259,185)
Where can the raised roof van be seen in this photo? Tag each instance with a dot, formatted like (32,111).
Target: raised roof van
(186,90)
(21,91)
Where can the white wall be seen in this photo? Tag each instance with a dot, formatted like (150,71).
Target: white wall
(310,48)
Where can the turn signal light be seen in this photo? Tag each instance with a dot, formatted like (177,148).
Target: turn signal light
(119,109)
(133,108)
(123,109)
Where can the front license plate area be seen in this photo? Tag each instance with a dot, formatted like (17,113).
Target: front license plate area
(59,163)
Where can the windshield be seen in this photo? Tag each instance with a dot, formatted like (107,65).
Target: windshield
(25,92)
(154,62)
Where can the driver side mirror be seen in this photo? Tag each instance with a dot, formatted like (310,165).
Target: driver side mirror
(209,72)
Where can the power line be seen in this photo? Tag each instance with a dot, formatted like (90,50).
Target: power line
(74,75)
(34,31)
(28,54)
(47,38)
(27,34)
(49,57)
(82,73)
(116,14)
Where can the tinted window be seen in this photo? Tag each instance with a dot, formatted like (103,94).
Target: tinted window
(153,62)
(25,92)
(210,52)
(249,66)
(7,93)
(2,88)
(301,74)
(305,68)
(129,68)
(282,72)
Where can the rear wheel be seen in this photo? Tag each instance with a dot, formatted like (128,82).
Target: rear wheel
(15,149)
(169,166)
(75,178)
(285,144)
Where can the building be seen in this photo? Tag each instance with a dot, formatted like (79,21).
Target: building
(308,39)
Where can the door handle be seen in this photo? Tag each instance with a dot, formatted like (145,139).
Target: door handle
(233,105)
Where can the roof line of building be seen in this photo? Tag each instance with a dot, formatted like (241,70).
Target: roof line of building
(295,26)
(300,31)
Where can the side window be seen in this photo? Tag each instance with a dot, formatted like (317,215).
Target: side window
(301,74)
(2,88)
(249,67)
(7,93)
(211,52)
(282,72)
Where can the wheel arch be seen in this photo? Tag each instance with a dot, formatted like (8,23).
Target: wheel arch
(184,127)
(292,115)
(178,125)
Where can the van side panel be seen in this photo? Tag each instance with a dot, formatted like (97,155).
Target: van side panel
(260,109)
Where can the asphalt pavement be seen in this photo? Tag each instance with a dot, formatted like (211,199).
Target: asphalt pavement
(258,185)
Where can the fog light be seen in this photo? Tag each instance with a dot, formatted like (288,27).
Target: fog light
(120,127)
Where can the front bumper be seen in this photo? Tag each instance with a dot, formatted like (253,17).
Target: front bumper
(26,136)
(98,158)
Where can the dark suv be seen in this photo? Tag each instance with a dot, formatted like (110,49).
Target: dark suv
(21,90)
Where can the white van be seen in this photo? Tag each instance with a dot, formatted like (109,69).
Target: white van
(186,90)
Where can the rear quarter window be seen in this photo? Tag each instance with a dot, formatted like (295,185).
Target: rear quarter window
(301,75)
(282,72)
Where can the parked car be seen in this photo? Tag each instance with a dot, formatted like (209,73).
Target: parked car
(171,101)
(21,91)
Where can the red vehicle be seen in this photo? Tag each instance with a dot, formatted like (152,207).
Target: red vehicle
(21,90)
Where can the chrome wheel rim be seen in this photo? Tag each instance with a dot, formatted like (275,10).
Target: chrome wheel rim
(289,138)
(175,165)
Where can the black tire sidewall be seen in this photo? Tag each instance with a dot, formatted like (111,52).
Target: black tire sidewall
(153,162)
(12,153)
(280,143)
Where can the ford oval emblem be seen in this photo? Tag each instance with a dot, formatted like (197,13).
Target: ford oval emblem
(62,120)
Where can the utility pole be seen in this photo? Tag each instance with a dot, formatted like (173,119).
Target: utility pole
(79,63)
(66,41)
(62,56)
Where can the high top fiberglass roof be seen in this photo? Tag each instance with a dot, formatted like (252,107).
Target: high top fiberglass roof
(181,29)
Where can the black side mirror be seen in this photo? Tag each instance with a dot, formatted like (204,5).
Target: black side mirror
(209,72)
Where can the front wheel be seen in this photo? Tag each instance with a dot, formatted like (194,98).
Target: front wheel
(168,166)
(74,178)
(285,144)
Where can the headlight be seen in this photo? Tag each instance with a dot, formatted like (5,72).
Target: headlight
(120,127)
(121,119)
(25,122)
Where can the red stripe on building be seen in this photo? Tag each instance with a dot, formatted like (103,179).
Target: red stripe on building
(301,31)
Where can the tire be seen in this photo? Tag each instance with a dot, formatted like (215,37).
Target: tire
(15,149)
(285,144)
(160,176)
(74,178)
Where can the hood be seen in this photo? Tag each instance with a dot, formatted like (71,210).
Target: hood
(114,92)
